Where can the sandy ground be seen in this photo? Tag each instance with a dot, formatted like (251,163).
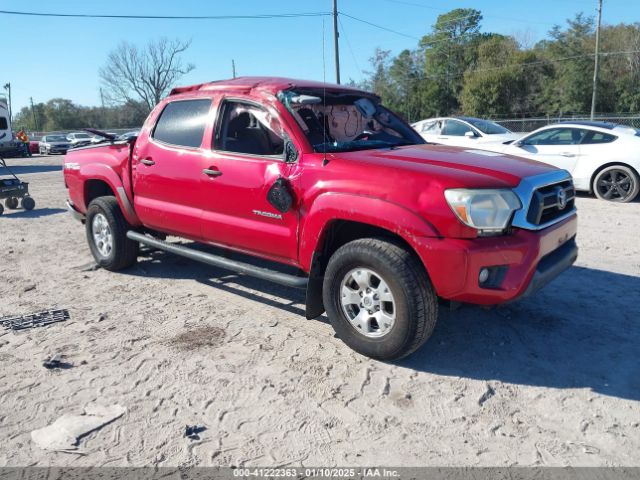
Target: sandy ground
(552,380)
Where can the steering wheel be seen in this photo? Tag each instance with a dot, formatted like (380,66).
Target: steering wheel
(365,134)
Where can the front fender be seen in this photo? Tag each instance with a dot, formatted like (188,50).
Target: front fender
(97,171)
(329,207)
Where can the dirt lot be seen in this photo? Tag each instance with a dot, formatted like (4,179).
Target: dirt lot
(552,380)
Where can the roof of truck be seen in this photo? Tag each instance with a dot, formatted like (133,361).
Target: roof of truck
(269,84)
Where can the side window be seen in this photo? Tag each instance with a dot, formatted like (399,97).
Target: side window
(430,127)
(593,137)
(455,128)
(247,128)
(3,123)
(182,123)
(557,136)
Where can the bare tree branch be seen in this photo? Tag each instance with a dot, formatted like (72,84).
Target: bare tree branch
(133,74)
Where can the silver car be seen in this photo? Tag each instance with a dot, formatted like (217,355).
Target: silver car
(56,143)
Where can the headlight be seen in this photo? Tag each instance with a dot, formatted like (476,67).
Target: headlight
(488,211)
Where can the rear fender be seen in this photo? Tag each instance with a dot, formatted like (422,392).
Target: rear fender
(105,173)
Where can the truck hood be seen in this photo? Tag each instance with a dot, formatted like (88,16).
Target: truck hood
(470,167)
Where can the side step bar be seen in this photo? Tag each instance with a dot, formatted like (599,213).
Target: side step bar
(221,262)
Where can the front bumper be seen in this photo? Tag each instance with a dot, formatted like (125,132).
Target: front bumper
(532,259)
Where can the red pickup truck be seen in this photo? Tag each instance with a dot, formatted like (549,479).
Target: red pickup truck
(338,194)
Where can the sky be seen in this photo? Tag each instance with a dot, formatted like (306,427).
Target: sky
(50,57)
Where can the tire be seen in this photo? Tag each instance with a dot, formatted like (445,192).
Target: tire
(28,203)
(11,203)
(617,183)
(1,209)
(410,299)
(106,230)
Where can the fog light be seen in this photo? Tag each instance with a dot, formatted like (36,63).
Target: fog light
(492,277)
(484,275)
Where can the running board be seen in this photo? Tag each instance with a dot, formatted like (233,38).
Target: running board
(221,262)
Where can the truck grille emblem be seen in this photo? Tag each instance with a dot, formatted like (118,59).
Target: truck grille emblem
(562,199)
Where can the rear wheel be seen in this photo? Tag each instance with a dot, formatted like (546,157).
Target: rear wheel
(107,235)
(11,203)
(617,183)
(379,299)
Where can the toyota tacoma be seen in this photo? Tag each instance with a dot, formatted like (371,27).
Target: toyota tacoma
(337,195)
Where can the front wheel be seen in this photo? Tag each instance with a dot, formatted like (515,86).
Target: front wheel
(617,183)
(107,235)
(379,298)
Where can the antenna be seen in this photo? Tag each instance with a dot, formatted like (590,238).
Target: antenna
(324,102)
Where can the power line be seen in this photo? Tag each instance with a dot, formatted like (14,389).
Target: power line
(167,17)
(378,26)
(353,55)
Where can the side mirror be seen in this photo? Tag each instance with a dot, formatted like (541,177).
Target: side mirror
(290,152)
(279,196)
(517,143)
(469,134)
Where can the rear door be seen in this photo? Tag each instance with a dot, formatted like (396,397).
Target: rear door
(245,161)
(167,168)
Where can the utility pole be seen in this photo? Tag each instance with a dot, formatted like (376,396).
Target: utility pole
(7,87)
(596,65)
(335,40)
(33,115)
(233,67)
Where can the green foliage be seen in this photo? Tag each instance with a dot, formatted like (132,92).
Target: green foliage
(63,114)
(455,69)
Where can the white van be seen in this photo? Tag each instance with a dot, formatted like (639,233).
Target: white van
(7,142)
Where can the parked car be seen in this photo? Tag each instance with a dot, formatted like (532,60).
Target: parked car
(34,146)
(603,158)
(337,194)
(79,139)
(463,131)
(55,143)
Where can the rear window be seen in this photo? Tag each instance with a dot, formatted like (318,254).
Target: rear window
(4,125)
(598,137)
(183,123)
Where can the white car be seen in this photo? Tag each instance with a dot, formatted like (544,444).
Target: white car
(603,158)
(463,131)
(79,139)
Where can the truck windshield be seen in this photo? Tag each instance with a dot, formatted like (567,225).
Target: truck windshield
(346,121)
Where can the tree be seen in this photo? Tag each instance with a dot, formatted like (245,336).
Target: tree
(571,51)
(144,75)
(448,50)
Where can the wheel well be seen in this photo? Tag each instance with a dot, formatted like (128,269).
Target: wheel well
(607,165)
(341,232)
(96,188)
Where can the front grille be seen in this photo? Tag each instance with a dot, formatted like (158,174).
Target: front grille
(546,205)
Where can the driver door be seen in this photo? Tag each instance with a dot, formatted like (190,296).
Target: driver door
(453,133)
(245,162)
(559,147)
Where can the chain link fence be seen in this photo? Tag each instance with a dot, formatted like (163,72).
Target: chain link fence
(525,125)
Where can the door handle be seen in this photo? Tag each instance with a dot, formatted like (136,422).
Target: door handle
(568,154)
(147,161)
(211,172)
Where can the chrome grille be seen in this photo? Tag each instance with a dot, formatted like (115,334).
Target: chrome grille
(551,202)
